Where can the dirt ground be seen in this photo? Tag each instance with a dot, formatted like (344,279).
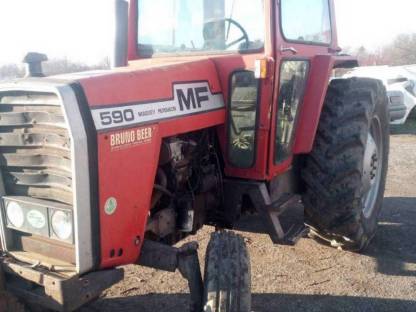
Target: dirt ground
(309,276)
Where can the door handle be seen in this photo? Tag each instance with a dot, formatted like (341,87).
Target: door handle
(288,49)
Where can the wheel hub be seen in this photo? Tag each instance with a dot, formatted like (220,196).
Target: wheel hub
(372,168)
(374,163)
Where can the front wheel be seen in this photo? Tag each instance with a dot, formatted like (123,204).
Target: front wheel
(227,274)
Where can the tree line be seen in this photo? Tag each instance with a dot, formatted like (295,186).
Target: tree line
(402,51)
(51,67)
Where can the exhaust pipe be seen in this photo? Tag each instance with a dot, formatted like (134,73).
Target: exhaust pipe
(119,57)
(33,62)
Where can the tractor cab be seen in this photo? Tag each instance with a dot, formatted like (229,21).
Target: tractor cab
(264,53)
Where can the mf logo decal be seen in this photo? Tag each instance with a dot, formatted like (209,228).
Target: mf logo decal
(188,99)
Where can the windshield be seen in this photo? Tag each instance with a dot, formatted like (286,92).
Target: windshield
(187,26)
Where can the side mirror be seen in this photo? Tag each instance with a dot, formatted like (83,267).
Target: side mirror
(119,57)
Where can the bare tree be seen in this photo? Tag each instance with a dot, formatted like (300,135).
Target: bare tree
(402,51)
(63,66)
(11,71)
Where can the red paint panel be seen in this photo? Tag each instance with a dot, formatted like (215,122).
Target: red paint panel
(226,67)
(320,72)
(127,174)
(136,84)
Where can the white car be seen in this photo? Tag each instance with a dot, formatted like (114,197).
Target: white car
(400,83)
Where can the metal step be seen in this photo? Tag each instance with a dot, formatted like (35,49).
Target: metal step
(284,233)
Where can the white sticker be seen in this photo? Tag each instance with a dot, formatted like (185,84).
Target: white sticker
(188,99)
(36,219)
(110,206)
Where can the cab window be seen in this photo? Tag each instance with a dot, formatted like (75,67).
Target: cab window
(243,108)
(293,78)
(306,21)
(199,26)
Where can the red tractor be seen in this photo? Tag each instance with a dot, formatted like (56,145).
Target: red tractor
(213,109)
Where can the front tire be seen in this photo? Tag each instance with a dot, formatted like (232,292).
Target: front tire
(227,274)
(345,174)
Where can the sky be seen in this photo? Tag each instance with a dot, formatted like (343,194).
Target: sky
(81,29)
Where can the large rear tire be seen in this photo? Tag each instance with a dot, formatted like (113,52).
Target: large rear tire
(345,174)
(227,274)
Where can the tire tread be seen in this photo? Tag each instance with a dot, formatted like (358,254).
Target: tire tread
(227,274)
(333,171)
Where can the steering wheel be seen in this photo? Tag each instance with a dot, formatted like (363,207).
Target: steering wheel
(212,34)
(244,37)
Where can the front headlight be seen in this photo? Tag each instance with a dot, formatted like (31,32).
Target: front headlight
(62,224)
(15,214)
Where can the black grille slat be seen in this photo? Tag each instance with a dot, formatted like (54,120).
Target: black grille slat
(17,108)
(29,118)
(34,139)
(35,161)
(47,193)
(29,98)
(39,180)
(34,129)
(42,171)
(35,151)
(35,147)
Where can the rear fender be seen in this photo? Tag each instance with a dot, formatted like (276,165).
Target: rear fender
(320,74)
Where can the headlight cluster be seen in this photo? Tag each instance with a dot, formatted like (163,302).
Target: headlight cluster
(36,218)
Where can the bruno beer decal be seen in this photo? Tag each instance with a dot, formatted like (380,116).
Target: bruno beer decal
(188,99)
(129,138)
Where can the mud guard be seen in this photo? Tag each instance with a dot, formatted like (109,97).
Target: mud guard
(321,68)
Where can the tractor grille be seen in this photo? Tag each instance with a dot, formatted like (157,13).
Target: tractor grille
(35,149)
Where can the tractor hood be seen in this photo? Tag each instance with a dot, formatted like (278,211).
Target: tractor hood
(150,91)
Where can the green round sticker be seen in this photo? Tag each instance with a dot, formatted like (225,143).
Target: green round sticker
(110,206)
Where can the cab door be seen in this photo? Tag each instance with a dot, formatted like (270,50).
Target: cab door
(304,30)
(245,136)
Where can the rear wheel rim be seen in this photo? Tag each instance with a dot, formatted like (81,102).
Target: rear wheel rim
(373,164)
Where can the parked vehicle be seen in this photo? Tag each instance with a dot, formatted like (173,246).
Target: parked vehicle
(400,83)
(213,109)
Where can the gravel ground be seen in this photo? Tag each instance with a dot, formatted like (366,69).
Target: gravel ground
(309,276)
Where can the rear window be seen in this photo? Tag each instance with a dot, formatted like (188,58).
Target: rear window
(306,21)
